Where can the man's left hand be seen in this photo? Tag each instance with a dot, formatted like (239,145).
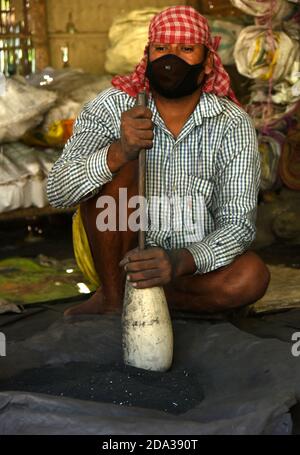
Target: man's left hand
(148,268)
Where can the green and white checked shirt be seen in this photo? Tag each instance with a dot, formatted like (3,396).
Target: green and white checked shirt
(211,173)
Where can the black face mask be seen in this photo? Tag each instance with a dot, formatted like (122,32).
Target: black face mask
(172,77)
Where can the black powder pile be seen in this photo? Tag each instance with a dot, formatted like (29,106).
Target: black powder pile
(174,392)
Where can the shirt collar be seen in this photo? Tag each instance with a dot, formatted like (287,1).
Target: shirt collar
(209,106)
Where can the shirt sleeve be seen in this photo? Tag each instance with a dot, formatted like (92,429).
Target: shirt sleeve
(234,200)
(82,168)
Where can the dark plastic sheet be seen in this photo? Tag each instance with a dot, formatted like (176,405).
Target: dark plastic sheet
(234,382)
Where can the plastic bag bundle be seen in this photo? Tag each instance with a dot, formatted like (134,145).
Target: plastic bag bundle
(23,174)
(55,136)
(286,93)
(270,147)
(63,110)
(74,89)
(270,109)
(277,10)
(256,58)
(279,114)
(229,31)
(21,108)
(128,37)
(271,115)
(74,84)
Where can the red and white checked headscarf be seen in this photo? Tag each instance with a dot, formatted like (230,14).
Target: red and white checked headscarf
(180,25)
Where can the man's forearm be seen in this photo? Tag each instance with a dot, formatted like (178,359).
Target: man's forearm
(115,157)
(223,245)
(182,262)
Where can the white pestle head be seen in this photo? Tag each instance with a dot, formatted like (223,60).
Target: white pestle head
(147,329)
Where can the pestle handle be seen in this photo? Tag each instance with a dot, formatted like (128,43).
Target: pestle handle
(141,100)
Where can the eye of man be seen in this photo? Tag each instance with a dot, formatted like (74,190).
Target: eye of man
(187,48)
(166,47)
(161,47)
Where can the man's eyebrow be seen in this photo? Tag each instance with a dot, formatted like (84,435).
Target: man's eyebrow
(179,44)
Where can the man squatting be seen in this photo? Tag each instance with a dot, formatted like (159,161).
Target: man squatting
(200,143)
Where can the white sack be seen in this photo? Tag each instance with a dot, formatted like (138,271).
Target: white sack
(128,37)
(255,58)
(23,174)
(279,9)
(74,88)
(22,108)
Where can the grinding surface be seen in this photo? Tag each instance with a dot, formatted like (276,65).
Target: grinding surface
(235,382)
(125,386)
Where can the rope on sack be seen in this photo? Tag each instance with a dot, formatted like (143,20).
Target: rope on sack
(267,110)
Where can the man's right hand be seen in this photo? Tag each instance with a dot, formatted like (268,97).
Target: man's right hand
(136,134)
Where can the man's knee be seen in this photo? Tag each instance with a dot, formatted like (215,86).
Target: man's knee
(263,281)
(245,283)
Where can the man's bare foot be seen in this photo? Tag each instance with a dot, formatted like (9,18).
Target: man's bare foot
(94,305)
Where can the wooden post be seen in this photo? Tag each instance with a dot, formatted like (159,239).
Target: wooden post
(39,29)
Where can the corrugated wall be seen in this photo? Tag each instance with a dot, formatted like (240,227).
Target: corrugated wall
(92,19)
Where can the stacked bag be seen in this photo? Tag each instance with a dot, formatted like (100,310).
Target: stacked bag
(268,52)
(36,120)
(23,169)
(73,88)
(128,37)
